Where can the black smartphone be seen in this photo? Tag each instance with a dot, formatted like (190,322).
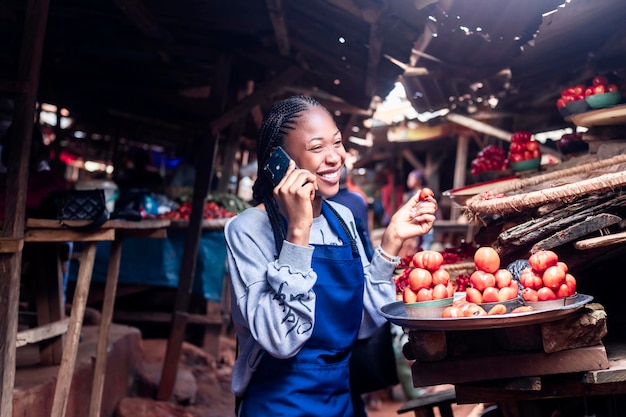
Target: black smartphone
(277,165)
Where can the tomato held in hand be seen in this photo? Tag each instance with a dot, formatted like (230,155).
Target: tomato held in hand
(426,193)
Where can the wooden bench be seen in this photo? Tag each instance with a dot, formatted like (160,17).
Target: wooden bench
(424,405)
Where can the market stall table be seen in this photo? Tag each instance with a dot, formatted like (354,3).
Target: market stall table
(45,230)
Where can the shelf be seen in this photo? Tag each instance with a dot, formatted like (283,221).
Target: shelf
(615,115)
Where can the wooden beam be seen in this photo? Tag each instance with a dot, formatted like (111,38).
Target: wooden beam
(277,16)
(31,51)
(479,126)
(141,17)
(375,48)
(11,245)
(44,332)
(265,92)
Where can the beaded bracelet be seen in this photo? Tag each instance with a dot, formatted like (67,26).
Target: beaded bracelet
(386,256)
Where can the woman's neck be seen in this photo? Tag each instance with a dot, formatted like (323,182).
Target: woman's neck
(317,206)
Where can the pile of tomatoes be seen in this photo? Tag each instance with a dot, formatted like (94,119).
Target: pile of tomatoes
(523,147)
(212,210)
(426,279)
(599,85)
(490,158)
(547,278)
(489,283)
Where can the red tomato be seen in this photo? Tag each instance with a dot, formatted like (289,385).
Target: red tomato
(428,259)
(553,277)
(481,280)
(441,276)
(532,146)
(563,291)
(571,283)
(450,289)
(440,291)
(611,88)
(472,295)
(426,193)
(503,278)
(490,295)
(599,80)
(544,294)
(542,259)
(599,89)
(408,295)
(588,91)
(506,293)
(579,89)
(560,103)
(420,278)
(425,294)
(529,294)
(487,259)
(529,278)
(451,312)
(563,266)
(516,157)
(473,309)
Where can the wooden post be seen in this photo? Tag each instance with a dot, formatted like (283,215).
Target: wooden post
(459,169)
(15,199)
(204,169)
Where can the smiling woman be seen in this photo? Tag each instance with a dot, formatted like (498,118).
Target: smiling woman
(303,287)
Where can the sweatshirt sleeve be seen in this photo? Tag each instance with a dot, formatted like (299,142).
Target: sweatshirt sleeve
(274,296)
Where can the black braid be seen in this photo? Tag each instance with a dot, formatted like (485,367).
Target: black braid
(276,125)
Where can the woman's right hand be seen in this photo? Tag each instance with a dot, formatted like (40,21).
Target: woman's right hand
(295,194)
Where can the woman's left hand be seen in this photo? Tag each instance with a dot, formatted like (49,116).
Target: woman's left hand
(415,218)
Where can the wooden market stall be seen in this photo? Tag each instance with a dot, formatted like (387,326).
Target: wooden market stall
(567,357)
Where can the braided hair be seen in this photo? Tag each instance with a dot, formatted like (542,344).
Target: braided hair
(278,121)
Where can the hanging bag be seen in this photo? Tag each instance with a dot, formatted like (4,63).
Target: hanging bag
(77,205)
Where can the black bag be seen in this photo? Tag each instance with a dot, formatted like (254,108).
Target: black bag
(373,362)
(79,205)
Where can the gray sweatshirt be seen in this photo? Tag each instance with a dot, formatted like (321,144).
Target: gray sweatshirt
(257,276)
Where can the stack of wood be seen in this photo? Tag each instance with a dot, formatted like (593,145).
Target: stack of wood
(577,212)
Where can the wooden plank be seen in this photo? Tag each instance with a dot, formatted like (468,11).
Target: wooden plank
(70,349)
(588,225)
(99,372)
(160,317)
(39,333)
(452,371)
(616,371)
(34,223)
(601,241)
(51,235)
(144,233)
(277,16)
(11,245)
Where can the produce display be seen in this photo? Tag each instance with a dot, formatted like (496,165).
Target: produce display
(490,158)
(523,147)
(578,93)
(488,289)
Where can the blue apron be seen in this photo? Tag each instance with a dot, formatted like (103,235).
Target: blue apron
(316,381)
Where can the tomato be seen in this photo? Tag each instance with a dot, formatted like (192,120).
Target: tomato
(542,259)
(440,291)
(611,88)
(599,89)
(588,91)
(563,291)
(599,80)
(529,278)
(487,259)
(529,294)
(571,283)
(452,312)
(425,194)
(544,294)
(425,294)
(497,309)
(507,293)
(481,280)
(553,277)
(560,103)
(516,157)
(532,146)
(490,295)
(428,259)
(450,289)
(563,266)
(408,295)
(579,89)
(503,278)
(474,309)
(420,278)
(441,276)
(522,309)
(473,295)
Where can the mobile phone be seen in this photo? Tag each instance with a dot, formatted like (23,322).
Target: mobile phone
(277,165)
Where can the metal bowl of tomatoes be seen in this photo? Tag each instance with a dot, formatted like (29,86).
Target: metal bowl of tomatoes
(428,309)
(552,304)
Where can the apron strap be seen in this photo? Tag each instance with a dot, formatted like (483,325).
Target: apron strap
(344,226)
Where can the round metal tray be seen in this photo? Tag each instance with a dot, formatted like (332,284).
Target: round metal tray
(396,313)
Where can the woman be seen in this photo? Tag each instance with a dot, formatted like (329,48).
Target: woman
(303,289)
